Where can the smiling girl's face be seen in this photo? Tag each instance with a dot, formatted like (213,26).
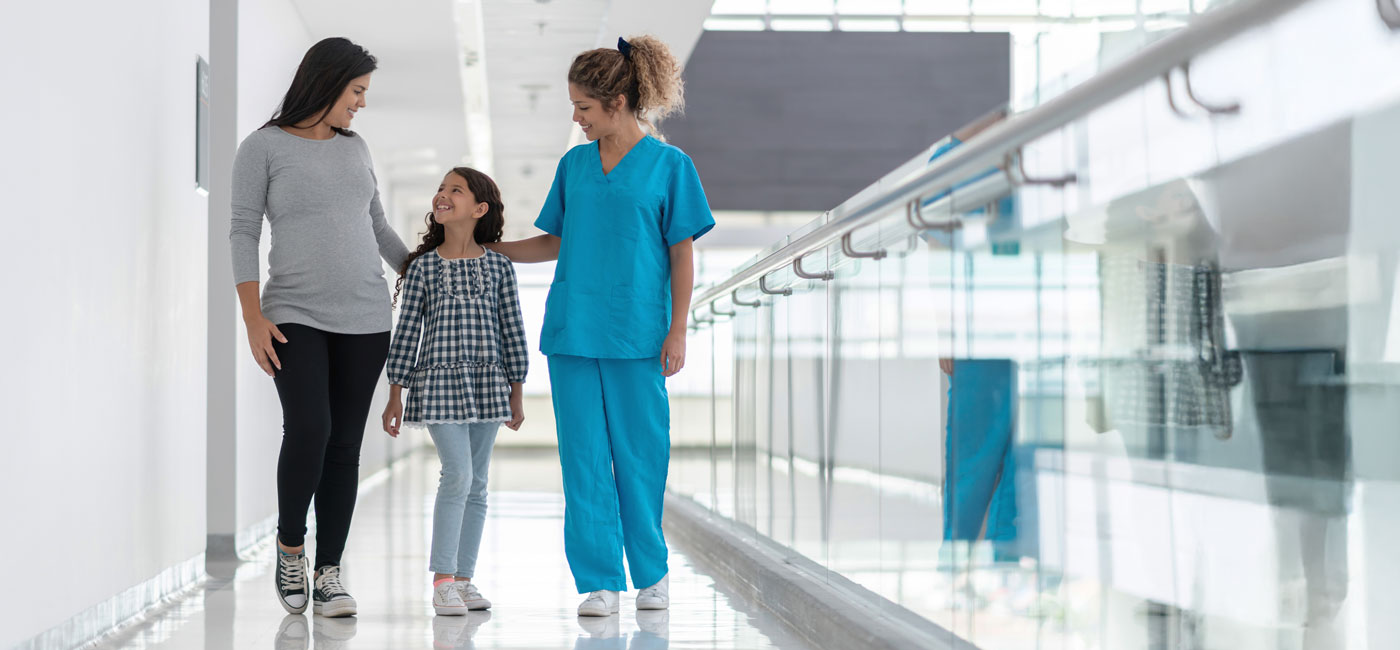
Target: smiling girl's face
(454,201)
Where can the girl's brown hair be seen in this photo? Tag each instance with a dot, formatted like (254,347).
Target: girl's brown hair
(488,229)
(648,76)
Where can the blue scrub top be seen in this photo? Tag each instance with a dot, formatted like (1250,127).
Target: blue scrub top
(611,296)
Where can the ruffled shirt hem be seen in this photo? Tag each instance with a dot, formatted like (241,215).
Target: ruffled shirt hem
(469,391)
(421,424)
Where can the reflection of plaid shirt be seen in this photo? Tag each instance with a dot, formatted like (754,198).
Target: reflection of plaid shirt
(474,346)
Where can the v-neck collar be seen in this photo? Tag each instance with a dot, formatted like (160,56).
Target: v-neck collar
(598,157)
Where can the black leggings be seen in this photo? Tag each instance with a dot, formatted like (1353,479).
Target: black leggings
(326,383)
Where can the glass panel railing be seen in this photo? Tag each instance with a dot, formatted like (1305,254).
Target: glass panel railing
(1144,408)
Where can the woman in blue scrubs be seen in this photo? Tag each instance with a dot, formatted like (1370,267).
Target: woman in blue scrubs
(620,218)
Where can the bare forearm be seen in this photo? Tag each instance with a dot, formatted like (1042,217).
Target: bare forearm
(682,283)
(543,248)
(249,300)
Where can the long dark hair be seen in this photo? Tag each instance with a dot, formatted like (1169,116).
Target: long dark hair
(489,228)
(325,71)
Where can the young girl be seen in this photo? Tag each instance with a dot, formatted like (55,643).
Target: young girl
(621,218)
(466,378)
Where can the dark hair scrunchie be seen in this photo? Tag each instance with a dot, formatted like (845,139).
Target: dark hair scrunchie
(625,48)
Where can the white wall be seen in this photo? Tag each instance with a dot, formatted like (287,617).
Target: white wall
(102,457)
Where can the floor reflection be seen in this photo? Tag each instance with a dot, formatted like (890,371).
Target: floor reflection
(522,570)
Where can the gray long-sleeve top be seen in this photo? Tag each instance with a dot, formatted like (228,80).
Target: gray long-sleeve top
(328,231)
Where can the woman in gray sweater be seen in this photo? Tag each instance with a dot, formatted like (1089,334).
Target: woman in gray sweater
(321,325)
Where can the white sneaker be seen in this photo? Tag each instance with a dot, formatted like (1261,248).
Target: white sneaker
(471,596)
(599,603)
(657,596)
(447,601)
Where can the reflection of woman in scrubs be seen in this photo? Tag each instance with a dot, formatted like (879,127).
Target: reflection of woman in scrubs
(620,218)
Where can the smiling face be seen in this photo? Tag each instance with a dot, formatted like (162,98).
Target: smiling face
(455,203)
(351,100)
(591,115)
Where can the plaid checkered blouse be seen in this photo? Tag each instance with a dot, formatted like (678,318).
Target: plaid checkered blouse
(467,312)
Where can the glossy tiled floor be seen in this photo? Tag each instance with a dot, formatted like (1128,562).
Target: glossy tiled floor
(522,570)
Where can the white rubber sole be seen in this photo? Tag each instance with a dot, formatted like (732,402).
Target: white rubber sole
(597,612)
(450,611)
(335,608)
(653,606)
(286,605)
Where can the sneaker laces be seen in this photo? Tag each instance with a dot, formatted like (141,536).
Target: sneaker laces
(650,592)
(448,592)
(329,581)
(293,572)
(472,591)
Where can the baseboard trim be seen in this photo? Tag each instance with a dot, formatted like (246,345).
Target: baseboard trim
(90,626)
(827,610)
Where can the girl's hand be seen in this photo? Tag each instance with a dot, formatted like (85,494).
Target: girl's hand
(517,408)
(261,331)
(673,353)
(393,417)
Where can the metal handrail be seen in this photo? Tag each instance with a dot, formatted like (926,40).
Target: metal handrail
(763,288)
(798,271)
(734,296)
(991,146)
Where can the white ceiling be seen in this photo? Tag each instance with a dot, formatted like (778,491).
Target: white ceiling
(529,45)
(425,93)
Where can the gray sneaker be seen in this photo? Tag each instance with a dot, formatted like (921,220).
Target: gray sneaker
(330,598)
(290,580)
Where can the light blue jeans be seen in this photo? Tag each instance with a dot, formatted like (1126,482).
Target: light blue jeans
(460,510)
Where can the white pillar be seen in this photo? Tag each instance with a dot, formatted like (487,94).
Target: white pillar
(221,426)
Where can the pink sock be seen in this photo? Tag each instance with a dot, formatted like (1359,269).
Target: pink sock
(438,582)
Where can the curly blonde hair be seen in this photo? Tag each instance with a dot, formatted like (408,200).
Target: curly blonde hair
(649,77)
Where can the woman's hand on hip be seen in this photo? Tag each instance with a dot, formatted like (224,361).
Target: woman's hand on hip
(673,353)
(261,331)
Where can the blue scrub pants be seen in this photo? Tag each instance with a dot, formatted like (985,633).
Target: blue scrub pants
(979,485)
(614,426)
